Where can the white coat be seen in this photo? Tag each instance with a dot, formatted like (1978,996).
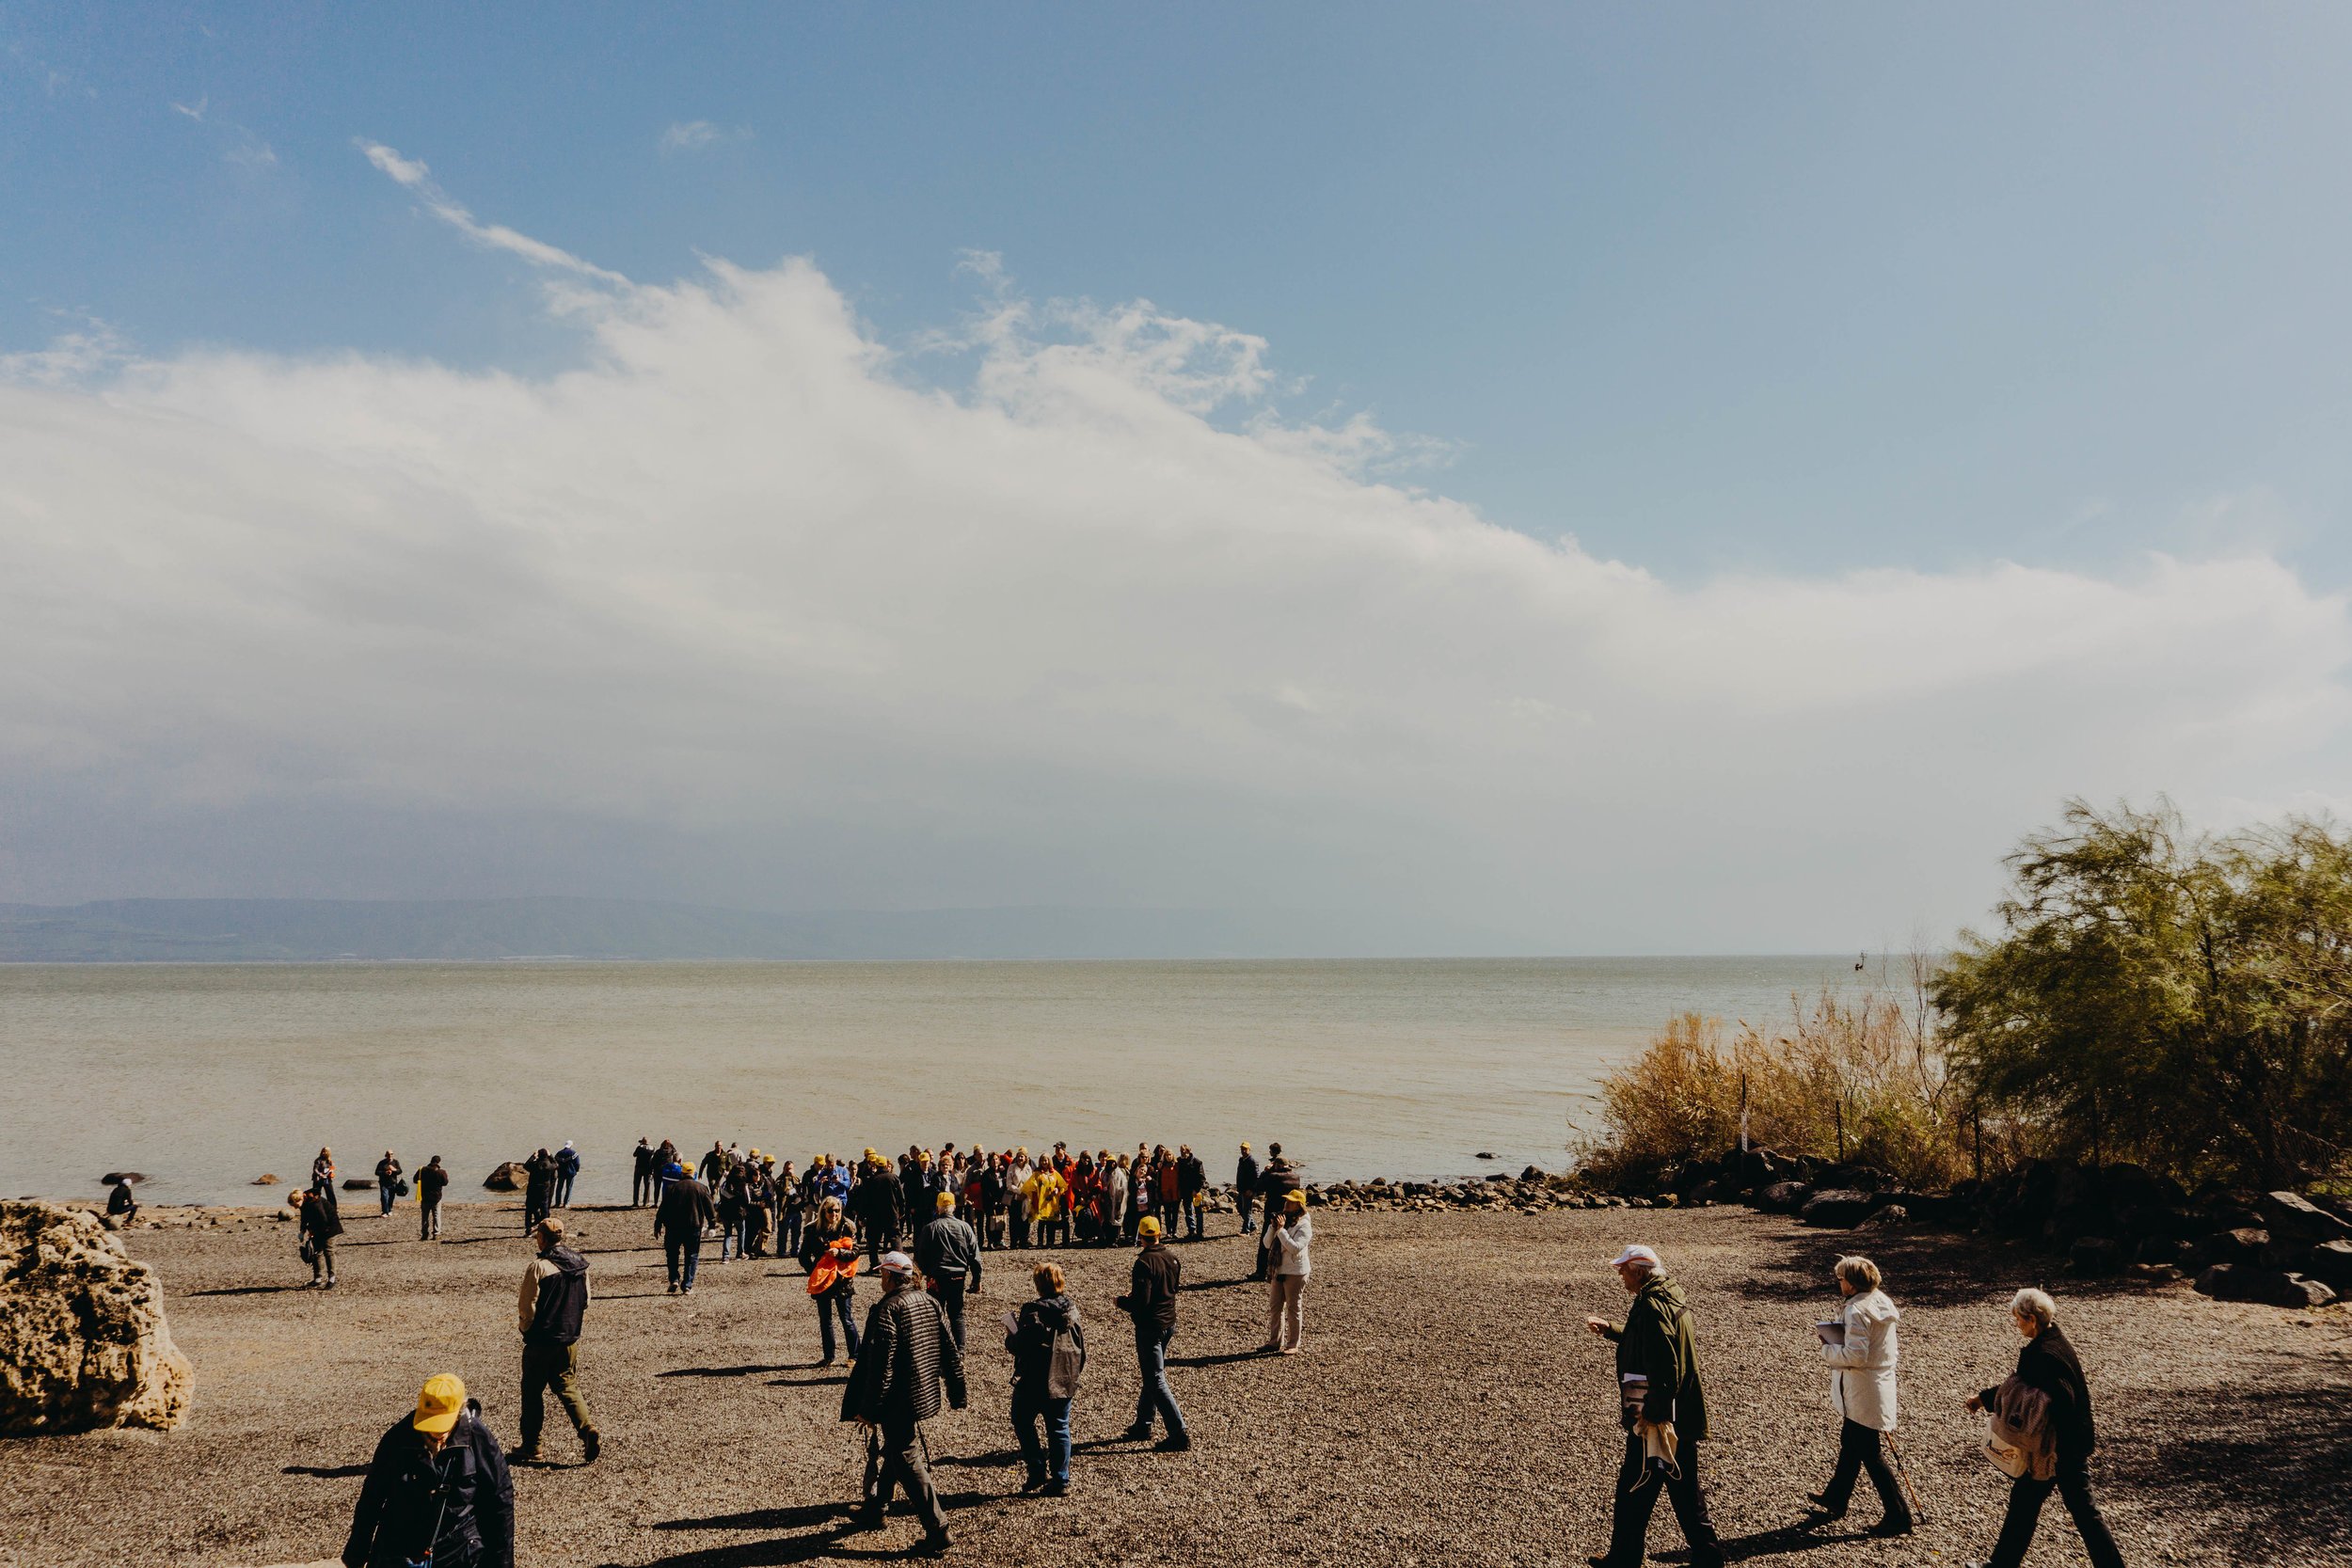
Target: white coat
(1862,1370)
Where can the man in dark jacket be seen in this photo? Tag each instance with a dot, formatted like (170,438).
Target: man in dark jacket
(2049,1365)
(431,1182)
(641,1175)
(906,1356)
(317,1226)
(554,1299)
(437,1490)
(539,1188)
(685,1213)
(1660,1399)
(1273,1184)
(874,1204)
(122,1207)
(1245,1188)
(567,1172)
(1192,1180)
(387,1181)
(1151,1300)
(948,1253)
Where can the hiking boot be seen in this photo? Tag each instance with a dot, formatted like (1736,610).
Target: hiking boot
(1135,1434)
(931,1545)
(1886,1530)
(591,1445)
(1058,1488)
(1172,1445)
(526,1456)
(1035,1484)
(863,1519)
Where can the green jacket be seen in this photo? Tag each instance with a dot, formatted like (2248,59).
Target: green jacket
(1657,1342)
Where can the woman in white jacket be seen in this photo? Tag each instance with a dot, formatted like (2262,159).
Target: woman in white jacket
(1862,1391)
(1290,1241)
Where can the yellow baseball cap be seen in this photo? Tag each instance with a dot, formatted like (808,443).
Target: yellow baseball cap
(440,1402)
(1295,1195)
(945,1202)
(1147,1226)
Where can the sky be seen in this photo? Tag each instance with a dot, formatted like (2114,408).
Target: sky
(1704,479)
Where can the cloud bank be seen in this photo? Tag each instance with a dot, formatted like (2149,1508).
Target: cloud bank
(748,608)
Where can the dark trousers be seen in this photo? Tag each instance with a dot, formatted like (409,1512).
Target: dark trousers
(840,1302)
(534,1206)
(902,1466)
(385,1191)
(788,1232)
(640,1188)
(428,1218)
(1053,1232)
(1860,1449)
(1152,1395)
(556,1367)
(322,1259)
(1047,1458)
(564,1188)
(2025,1498)
(684,1255)
(1247,1203)
(950,1294)
(1637,1494)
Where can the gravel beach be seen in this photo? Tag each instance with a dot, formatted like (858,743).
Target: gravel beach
(1449,1407)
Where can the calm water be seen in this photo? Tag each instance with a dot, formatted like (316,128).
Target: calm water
(207,1075)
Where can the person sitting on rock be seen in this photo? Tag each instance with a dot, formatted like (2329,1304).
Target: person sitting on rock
(437,1490)
(121,1207)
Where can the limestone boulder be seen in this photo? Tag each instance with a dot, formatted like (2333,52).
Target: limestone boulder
(83,1339)
(509,1178)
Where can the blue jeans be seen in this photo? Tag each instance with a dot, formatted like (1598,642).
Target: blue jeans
(788,1233)
(1155,1396)
(564,1188)
(1050,1457)
(730,1236)
(1196,1221)
(841,1301)
(684,1254)
(384,1191)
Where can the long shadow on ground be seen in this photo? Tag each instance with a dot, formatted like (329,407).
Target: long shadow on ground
(2259,1494)
(1926,1267)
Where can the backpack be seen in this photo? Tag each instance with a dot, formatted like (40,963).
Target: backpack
(1069,1359)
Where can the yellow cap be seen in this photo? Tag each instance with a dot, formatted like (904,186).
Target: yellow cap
(945,1202)
(1295,1195)
(1147,1226)
(440,1402)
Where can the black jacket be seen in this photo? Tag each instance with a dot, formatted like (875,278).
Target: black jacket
(319,1219)
(1031,1342)
(404,1493)
(2048,1363)
(1659,1341)
(1152,1287)
(949,1249)
(686,1211)
(643,1155)
(539,1174)
(905,1357)
(430,1181)
(1246,1175)
(562,1300)
(876,1200)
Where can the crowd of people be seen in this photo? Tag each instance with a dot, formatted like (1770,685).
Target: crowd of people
(922,1223)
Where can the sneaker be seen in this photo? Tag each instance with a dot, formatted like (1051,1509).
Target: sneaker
(931,1545)
(525,1456)
(673,1289)
(1035,1484)
(1135,1434)
(591,1445)
(1171,1444)
(1887,1529)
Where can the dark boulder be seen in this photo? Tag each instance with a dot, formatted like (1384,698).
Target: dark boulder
(2291,1217)
(1533,1173)
(2330,1262)
(1887,1216)
(508,1177)
(2095,1256)
(359,1183)
(1838,1208)
(2242,1245)
(1783,1197)
(2267,1287)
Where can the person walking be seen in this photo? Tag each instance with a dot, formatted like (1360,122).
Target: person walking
(685,1213)
(1861,1354)
(437,1490)
(323,1174)
(829,1253)
(567,1172)
(1048,1350)
(317,1225)
(1290,1238)
(641,1175)
(387,1183)
(1152,1286)
(732,1206)
(1664,1411)
(2048,1366)
(431,1182)
(539,1188)
(895,1388)
(713,1166)
(759,1215)
(1246,1189)
(948,1253)
(554,1301)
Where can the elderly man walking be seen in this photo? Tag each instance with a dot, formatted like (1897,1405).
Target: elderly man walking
(1152,1286)
(948,1253)
(906,1356)
(1663,1409)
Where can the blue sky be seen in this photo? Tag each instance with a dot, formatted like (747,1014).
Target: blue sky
(1708,287)
(1837,434)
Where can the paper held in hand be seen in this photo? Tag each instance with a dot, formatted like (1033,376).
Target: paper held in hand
(1831,1331)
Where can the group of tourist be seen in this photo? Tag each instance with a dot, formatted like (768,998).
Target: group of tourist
(439,1489)
(2040,1432)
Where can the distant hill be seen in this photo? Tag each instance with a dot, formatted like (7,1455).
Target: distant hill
(216,930)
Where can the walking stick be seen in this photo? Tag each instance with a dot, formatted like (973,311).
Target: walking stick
(1902,1474)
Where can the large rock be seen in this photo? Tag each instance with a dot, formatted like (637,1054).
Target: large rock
(2331,1262)
(1783,1197)
(1838,1208)
(2095,1254)
(508,1177)
(2269,1287)
(83,1340)
(2291,1217)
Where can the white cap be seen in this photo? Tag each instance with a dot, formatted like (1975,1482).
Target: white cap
(1635,1254)
(896,1263)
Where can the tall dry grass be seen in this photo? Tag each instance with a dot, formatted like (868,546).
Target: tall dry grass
(1854,1077)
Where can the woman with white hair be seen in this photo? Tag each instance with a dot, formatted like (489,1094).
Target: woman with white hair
(2048,1366)
(1861,1354)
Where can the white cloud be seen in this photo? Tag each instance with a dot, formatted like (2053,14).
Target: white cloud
(694,136)
(71,356)
(739,579)
(194,111)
